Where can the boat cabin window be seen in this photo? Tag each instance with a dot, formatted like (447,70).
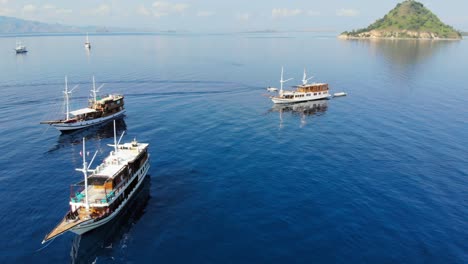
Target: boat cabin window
(315,93)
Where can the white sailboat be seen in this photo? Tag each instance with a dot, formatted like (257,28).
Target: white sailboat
(99,110)
(87,43)
(106,191)
(304,92)
(20,48)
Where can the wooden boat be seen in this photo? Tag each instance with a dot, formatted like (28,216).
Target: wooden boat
(304,92)
(100,109)
(105,192)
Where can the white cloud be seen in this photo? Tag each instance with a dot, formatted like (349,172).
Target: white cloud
(101,10)
(48,6)
(63,11)
(205,13)
(51,9)
(243,16)
(3,2)
(29,8)
(313,13)
(143,11)
(163,8)
(6,11)
(180,7)
(347,12)
(285,12)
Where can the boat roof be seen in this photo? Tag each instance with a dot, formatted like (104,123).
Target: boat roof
(108,97)
(310,84)
(82,111)
(126,153)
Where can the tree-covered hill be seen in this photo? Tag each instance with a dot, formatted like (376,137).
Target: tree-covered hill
(409,19)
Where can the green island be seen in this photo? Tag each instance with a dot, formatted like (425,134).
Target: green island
(409,19)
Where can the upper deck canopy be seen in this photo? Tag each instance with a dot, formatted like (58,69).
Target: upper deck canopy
(82,111)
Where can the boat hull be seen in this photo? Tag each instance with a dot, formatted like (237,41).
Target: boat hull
(83,124)
(279,100)
(90,225)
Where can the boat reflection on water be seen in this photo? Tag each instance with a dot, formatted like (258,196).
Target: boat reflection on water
(304,109)
(103,242)
(105,130)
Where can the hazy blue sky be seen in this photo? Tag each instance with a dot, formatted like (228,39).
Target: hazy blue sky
(220,15)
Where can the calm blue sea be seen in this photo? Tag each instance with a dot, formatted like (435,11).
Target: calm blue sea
(379,176)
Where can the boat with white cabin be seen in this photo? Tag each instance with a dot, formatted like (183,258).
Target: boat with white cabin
(105,192)
(304,92)
(87,43)
(100,109)
(20,48)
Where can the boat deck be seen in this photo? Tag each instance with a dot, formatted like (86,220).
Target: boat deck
(65,225)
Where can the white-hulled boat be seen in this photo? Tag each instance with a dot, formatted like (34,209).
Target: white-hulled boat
(20,48)
(303,93)
(99,110)
(106,191)
(339,94)
(87,43)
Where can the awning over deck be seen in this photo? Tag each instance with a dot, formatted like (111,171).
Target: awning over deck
(82,111)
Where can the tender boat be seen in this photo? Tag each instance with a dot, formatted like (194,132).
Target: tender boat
(105,192)
(304,92)
(272,89)
(87,43)
(100,109)
(20,48)
(339,94)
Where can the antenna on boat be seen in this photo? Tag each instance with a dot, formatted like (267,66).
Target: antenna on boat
(283,81)
(67,96)
(94,90)
(305,79)
(85,172)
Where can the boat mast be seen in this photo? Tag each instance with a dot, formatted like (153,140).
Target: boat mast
(95,91)
(305,79)
(282,81)
(115,138)
(85,173)
(67,98)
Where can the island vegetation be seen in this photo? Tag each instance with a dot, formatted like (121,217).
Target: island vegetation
(409,19)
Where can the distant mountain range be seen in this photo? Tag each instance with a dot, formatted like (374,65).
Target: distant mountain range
(16,25)
(409,19)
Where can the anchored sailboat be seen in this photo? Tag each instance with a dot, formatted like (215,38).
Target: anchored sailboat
(20,48)
(87,43)
(99,110)
(105,192)
(304,92)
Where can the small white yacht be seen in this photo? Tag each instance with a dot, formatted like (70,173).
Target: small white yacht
(304,92)
(20,48)
(87,43)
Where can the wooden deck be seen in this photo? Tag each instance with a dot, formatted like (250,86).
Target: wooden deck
(63,226)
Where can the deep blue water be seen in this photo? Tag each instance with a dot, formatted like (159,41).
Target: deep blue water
(379,176)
